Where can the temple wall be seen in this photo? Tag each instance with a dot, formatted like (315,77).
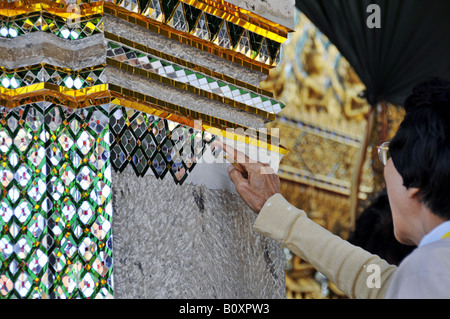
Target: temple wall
(195,240)
(280,11)
(103,103)
(189,242)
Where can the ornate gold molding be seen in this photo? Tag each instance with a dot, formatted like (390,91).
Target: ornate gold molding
(244,18)
(188,88)
(109,93)
(59,8)
(186,38)
(187,64)
(252,41)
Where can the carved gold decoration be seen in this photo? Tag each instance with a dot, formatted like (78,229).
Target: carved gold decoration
(355,106)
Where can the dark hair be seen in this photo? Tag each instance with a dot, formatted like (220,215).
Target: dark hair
(420,149)
(374,232)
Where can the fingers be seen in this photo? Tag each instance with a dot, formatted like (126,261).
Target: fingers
(233,154)
(235,158)
(242,162)
(236,175)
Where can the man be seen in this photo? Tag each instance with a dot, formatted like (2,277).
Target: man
(417,174)
(374,232)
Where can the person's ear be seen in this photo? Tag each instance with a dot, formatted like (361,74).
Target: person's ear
(413,192)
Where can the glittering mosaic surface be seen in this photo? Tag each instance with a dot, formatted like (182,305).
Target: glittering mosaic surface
(45,22)
(62,131)
(213,24)
(136,58)
(13,79)
(149,142)
(216,29)
(56,213)
(55,172)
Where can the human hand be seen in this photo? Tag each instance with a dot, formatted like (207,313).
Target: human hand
(255,182)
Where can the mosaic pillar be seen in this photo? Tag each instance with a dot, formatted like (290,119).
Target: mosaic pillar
(109,186)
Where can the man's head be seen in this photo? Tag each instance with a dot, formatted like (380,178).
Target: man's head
(420,152)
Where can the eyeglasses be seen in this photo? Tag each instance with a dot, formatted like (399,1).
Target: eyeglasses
(383,153)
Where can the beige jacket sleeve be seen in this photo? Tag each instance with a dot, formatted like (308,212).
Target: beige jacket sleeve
(344,264)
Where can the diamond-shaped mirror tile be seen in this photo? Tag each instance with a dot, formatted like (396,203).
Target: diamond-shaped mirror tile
(48,207)
(55,208)
(128,55)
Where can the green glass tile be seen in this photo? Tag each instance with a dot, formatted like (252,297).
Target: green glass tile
(154,60)
(49,209)
(255,42)
(48,20)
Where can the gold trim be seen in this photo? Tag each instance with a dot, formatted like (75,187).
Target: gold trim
(99,8)
(42,91)
(33,88)
(110,93)
(53,67)
(189,88)
(249,13)
(31,6)
(185,38)
(189,65)
(151,105)
(241,17)
(248,139)
(219,8)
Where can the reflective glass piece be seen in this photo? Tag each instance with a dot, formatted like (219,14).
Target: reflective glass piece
(13,79)
(46,22)
(147,142)
(206,26)
(55,205)
(128,55)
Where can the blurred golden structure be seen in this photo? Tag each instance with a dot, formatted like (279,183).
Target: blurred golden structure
(325,127)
